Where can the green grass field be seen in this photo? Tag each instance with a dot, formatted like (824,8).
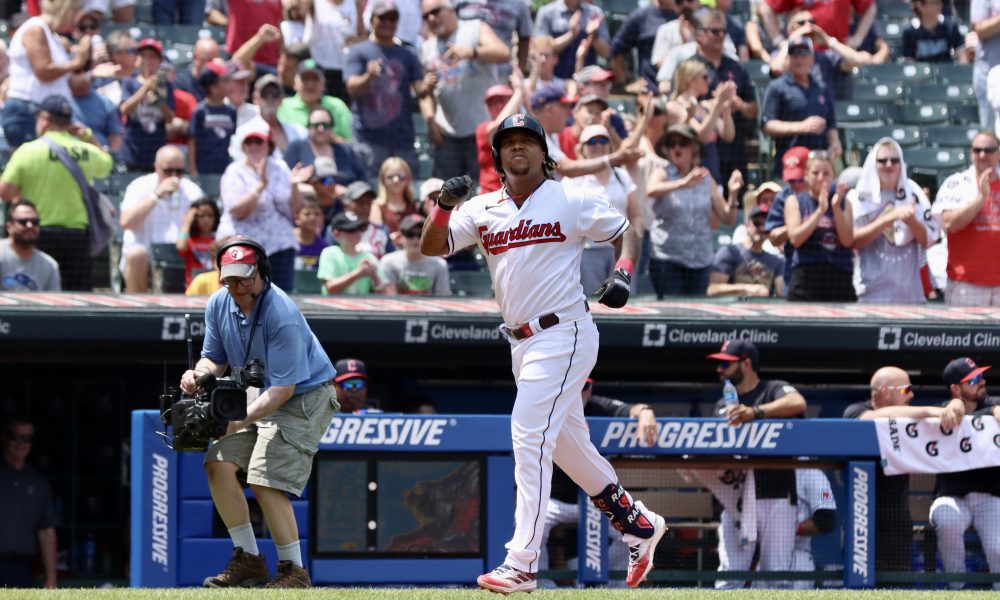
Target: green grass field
(457,594)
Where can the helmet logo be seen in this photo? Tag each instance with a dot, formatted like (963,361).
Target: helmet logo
(517,120)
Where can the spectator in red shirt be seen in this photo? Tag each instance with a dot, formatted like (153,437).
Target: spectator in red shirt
(245,19)
(832,16)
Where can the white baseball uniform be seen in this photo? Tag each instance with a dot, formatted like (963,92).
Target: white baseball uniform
(815,493)
(534,255)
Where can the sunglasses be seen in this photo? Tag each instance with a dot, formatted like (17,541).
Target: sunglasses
(174,172)
(353,384)
(88,26)
(27,438)
(677,143)
(328,180)
(270,94)
(233,282)
(891,160)
(819,154)
(433,12)
(903,389)
(320,125)
(597,141)
(25,222)
(975,380)
(253,141)
(389,17)
(396,177)
(800,52)
(714,30)
(984,149)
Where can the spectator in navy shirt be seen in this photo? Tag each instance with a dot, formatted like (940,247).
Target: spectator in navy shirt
(147,108)
(212,124)
(569,22)
(639,32)
(382,78)
(745,269)
(205,51)
(933,39)
(798,108)
(98,113)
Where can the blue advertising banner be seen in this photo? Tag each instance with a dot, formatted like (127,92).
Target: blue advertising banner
(154,505)
(592,543)
(859,530)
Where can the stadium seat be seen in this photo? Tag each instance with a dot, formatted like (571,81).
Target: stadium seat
(895,9)
(965,114)
(759,72)
(209,184)
(471,283)
(168,270)
(857,114)
(892,31)
(954,136)
(426,166)
(863,138)
(879,92)
(306,282)
(952,73)
(931,113)
(624,104)
(890,72)
(937,159)
(952,93)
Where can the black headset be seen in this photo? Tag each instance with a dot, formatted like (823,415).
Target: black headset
(259,254)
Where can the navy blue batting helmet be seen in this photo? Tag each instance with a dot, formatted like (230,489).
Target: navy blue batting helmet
(517,121)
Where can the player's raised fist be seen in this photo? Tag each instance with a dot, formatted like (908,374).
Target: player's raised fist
(454,191)
(615,289)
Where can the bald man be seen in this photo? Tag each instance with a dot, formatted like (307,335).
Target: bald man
(153,213)
(205,51)
(891,393)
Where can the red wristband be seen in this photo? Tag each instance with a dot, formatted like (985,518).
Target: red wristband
(624,263)
(798,529)
(440,217)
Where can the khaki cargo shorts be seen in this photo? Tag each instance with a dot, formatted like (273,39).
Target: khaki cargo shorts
(277,452)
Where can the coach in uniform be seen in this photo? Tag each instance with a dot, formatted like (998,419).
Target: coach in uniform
(532,232)
(891,393)
(968,498)
(272,450)
(738,361)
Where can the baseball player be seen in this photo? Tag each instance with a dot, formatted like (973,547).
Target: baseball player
(817,515)
(532,232)
(775,493)
(968,498)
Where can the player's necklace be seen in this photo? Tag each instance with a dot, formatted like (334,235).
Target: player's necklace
(520,198)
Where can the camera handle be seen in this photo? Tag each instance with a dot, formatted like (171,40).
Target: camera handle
(190,344)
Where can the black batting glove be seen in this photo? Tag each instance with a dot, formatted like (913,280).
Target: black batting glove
(455,191)
(615,289)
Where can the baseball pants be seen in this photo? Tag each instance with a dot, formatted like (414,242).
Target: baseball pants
(952,516)
(547,424)
(776,522)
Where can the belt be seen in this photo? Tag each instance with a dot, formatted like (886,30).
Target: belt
(525,331)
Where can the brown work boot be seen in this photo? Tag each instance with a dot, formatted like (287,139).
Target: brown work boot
(243,570)
(290,575)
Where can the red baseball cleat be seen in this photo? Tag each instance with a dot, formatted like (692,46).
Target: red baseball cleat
(507,580)
(640,556)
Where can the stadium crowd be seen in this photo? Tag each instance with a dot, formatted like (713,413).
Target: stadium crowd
(729,131)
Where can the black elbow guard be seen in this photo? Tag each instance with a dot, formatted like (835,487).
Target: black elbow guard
(825,519)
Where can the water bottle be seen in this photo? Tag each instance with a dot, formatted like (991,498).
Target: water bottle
(729,394)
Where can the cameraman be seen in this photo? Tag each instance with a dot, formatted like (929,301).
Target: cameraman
(272,450)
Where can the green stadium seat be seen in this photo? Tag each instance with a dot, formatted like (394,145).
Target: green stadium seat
(931,113)
(879,92)
(952,93)
(168,270)
(895,9)
(624,104)
(471,283)
(965,114)
(426,166)
(759,72)
(937,159)
(892,31)
(896,72)
(857,114)
(952,73)
(209,184)
(306,282)
(182,34)
(865,137)
(954,136)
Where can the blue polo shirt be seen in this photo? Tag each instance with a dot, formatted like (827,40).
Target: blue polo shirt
(786,100)
(283,341)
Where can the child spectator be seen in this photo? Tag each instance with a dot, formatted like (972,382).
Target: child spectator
(935,38)
(196,240)
(346,270)
(207,283)
(308,225)
(409,270)
(212,123)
